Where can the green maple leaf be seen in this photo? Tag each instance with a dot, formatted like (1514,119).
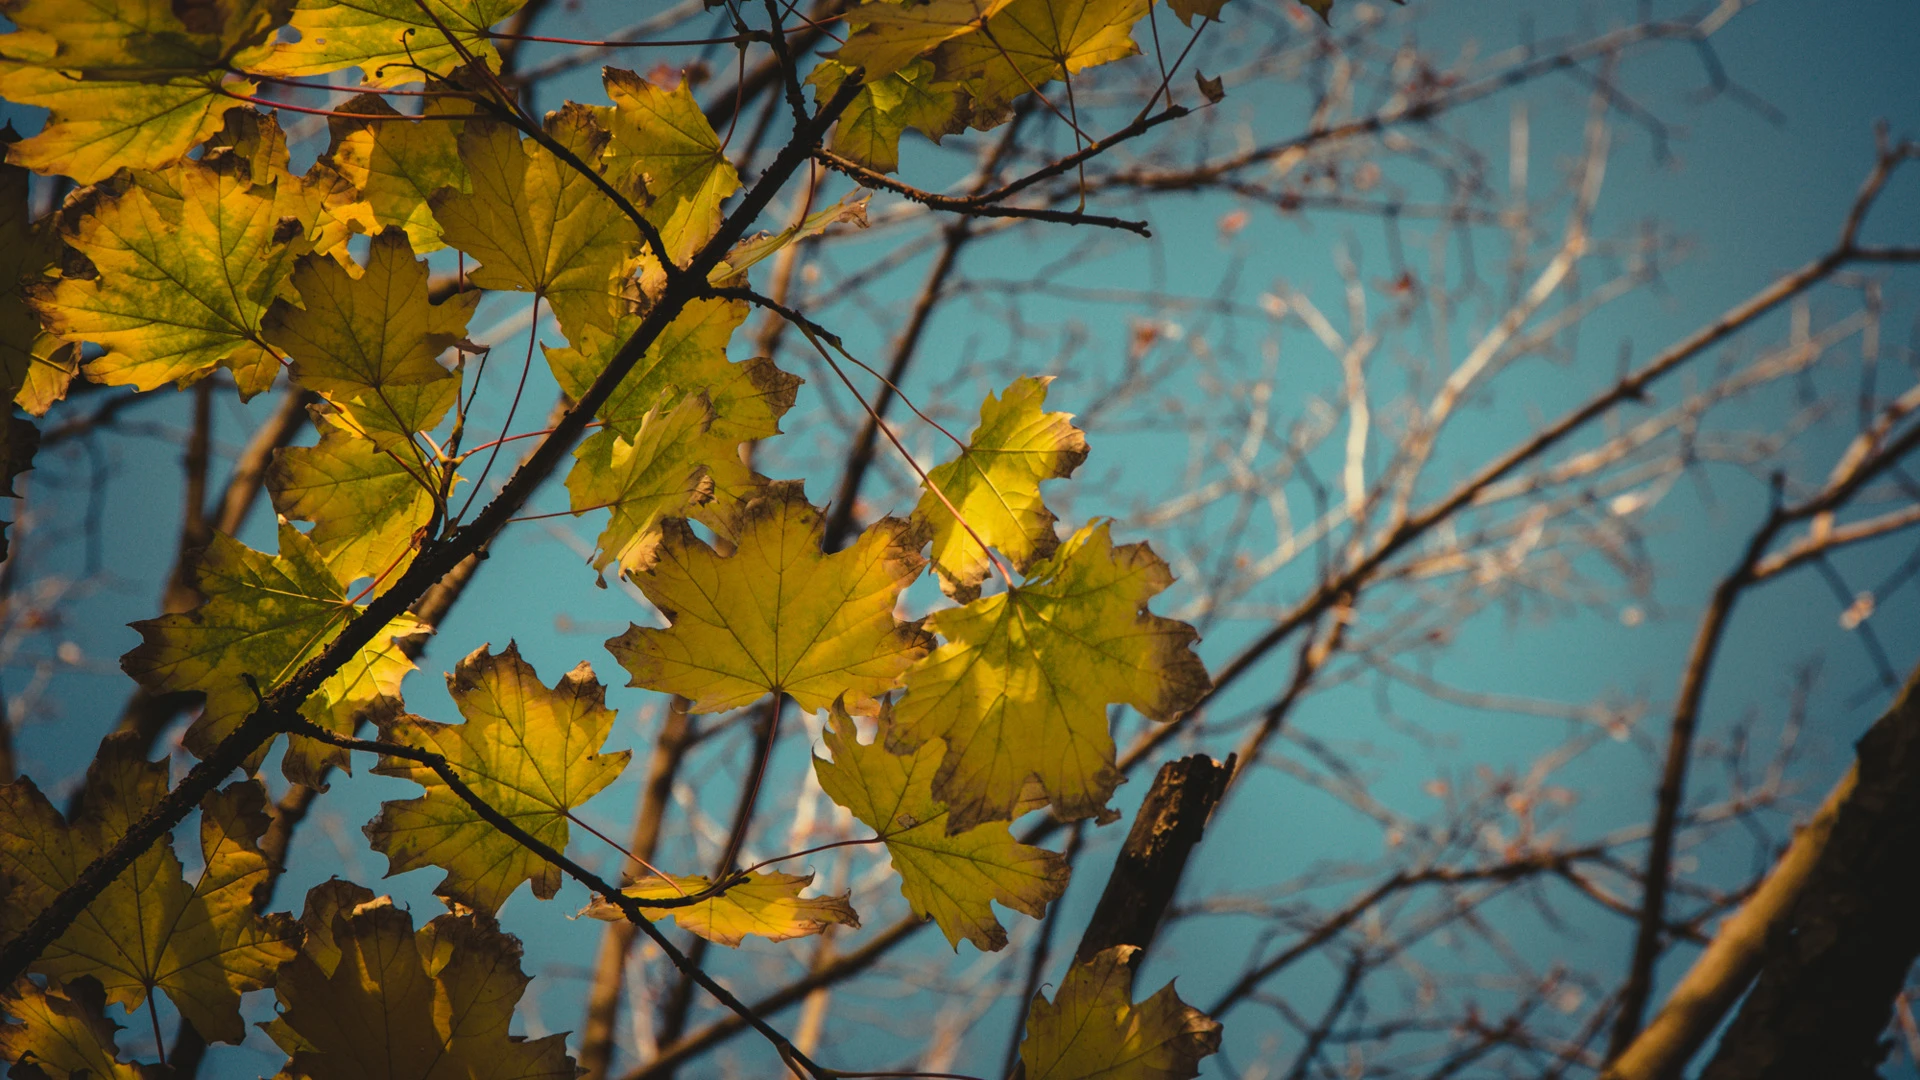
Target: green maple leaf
(671,468)
(952,880)
(663,145)
(995,485)
(367,503)
(369,342)
(537,225)
(530,752)
(186,263)
(869,130)
(396,165)
(130,84)
(265,616)
(689,357)
(1022,685)
(390,41)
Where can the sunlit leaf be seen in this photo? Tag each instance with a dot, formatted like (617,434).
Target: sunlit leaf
(370,342)
(952,880)
(869,129)
(1030,43)
(667,470)
(536,224)
(888,36)
(186,264)
(1022,685)
(130,83)
(995,484)
(396,165)
(767,905)
(1093,1029)
(265,616)
(390,41)
(663,144)
(777,614)
(530,752)
(367,504)
(689,357)
(201,943)
(371,998)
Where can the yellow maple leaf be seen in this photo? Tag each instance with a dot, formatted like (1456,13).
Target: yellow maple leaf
(530,752)
(201,943)
(187,263)
(767,905)
(952,880)
(390,41)
(777,615)
(689,357)
(371,998)
(995,484)
(264,617)
(888,36)
(369,342)
(1021,687)
(536,224)
(129,83)
(62,1032)
(663,145)
(367,504)
(671,468)
(396,165)
(869,129)
(1030,43)
(1093,1029)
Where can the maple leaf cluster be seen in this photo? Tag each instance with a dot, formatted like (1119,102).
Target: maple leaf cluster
(166,267)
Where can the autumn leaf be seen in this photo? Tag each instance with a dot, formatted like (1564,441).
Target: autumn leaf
(689,357)
(767,905)
(367,504)
(1030,43)
(264,617)
(536,224)
(529,752)
(34,365)
(396,164)
(129,83)
(1206,10)
(185,265)
(952,880)
(1093,1029)
(370,342)
(995,484)
(778,614)
(663,145)
(888,36)
(371,998)
(667,470)
(149,930)
(1021,687)
(390,41)
(62,1033)
(869,129)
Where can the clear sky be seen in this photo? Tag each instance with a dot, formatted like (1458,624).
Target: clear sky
(1753,190)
